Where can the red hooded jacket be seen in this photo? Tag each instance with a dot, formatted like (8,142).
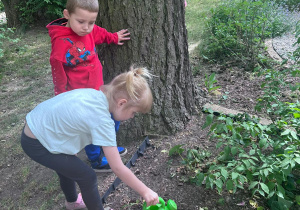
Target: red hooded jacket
(74,60)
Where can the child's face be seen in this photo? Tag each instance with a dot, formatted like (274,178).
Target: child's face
(122,113)
(81,21)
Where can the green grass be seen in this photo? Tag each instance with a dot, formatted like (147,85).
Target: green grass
(25,172)
(196,13)
(51,191)
(7,203)
(25,82)
(27,61)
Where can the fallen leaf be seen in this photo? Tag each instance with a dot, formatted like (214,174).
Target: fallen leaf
(253,203)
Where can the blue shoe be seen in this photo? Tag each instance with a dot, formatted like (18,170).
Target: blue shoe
(122,151)
(101,166)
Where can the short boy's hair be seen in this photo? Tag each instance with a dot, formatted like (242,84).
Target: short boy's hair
(89,5)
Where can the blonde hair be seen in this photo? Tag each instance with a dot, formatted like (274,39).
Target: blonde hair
(134,87)
(89,5)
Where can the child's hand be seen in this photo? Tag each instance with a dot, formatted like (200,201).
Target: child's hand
(151,197)
(123,35)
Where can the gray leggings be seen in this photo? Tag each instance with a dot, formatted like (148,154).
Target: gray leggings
(70,169)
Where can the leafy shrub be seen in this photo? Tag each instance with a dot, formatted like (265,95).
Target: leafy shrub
(270,102)
(237,29)
(1,6)
(41,11)
(256,157)
(290,4)
(265,159)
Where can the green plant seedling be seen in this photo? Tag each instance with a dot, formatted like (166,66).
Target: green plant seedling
(210,81)
(177,149)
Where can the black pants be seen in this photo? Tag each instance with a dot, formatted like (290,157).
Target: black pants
(70,169)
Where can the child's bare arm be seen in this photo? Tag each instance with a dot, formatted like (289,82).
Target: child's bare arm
(125,174)
(123,35)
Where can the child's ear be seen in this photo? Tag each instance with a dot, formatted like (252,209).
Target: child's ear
(66,14)
(122,102)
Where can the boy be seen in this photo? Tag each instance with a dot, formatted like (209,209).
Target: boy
(74,60)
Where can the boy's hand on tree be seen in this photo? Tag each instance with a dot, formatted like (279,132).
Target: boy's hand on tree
(123,35)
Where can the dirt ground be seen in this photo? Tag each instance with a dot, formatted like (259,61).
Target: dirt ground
(156,169)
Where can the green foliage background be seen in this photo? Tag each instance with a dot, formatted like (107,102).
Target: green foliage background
(236,30)
(37,12)
(289,4)
(1,6)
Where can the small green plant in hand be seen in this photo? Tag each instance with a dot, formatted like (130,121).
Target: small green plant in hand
(210,81)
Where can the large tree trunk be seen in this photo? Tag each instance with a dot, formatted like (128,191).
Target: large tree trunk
(12,13)
(158,42)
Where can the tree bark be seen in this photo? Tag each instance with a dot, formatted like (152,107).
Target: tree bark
(12,13)
(158,42)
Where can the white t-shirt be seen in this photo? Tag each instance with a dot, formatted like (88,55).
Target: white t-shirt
(69,121)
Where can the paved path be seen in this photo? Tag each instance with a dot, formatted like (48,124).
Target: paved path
(284,45)
(2,17)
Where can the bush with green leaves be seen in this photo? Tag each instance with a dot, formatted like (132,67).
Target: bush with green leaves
(289,4)
(261,158)
(270,102)
(1,6)
(42,11)
(238,28)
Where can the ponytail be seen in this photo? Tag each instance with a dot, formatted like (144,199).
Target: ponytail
(136,81)
(133,86)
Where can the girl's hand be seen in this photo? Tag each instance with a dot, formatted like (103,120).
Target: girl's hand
(150,197)
(123,35)
(125,174)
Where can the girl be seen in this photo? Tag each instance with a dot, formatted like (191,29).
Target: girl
(57,129)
